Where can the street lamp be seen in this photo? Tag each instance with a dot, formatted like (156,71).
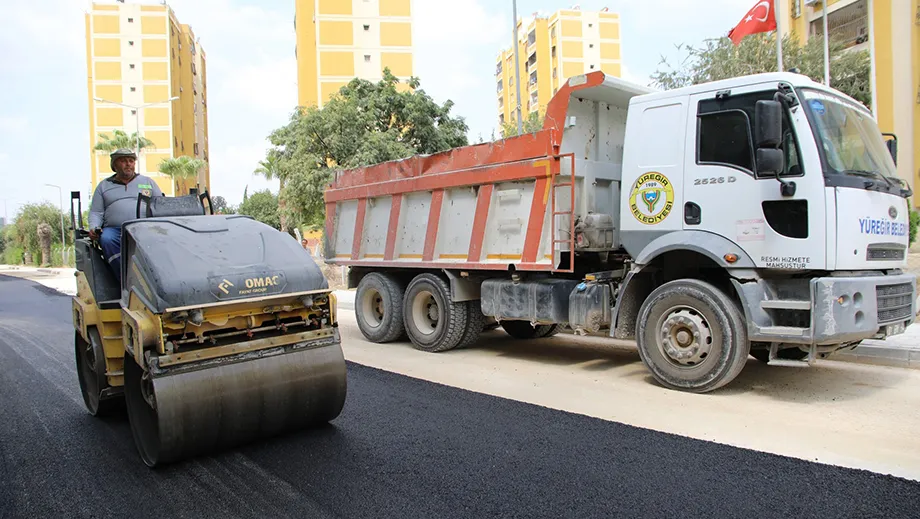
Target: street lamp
(63,243)
(137,115)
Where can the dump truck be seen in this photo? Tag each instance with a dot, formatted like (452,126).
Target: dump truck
(223,330)
(759,215)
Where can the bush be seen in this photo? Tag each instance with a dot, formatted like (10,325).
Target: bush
(56,256)
(12,255)
(914,222)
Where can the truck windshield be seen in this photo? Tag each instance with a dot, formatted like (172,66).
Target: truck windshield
(848,139)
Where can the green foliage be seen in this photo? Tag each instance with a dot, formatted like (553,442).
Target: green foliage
(532,123)
(13,255)
(219,204)
(180,168)
(24,232)
(57,260)
(914,223)
(263,206)
(364,123)
(719,59)
(120,139)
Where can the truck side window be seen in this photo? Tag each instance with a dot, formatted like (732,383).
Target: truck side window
(725,138)
(720,140)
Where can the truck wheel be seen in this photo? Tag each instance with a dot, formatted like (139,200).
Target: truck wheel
(379,308)
(524,330)
(547,330)
(434,323)
(475,324)
(691,336)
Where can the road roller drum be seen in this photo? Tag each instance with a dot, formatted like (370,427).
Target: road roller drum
(223,331)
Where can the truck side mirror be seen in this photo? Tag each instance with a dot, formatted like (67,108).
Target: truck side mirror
(770,161)
(768,124)
(892,146)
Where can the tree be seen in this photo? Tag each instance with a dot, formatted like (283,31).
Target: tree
(364,123)
(120,139)
(25,228)
(720,59)
(44,240)
(532,123)
(180,169)
(270,168)
(263,206)
(219,205)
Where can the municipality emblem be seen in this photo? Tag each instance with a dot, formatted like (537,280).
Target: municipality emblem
(651,198)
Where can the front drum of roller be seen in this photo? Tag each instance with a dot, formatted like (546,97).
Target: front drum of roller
(200,409)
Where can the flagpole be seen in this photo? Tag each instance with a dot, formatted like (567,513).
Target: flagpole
(779,36)
(827,62)
(872,84)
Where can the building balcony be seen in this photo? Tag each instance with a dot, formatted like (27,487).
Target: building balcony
(848,25)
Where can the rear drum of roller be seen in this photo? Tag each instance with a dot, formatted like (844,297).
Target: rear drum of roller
(183,413)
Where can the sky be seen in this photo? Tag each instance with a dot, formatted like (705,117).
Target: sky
(252,76)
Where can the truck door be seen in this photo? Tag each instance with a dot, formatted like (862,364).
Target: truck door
(724,193)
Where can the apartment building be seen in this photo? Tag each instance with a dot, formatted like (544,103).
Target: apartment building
(552,49)
(896,47)
(139,57)
(338,40)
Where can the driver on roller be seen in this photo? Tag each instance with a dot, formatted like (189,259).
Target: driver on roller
(115,202)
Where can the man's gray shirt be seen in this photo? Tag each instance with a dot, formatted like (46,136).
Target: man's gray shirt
(115,203)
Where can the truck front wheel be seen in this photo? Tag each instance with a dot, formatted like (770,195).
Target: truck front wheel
(692,336)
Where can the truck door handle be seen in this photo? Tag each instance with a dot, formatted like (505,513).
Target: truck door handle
(693,215)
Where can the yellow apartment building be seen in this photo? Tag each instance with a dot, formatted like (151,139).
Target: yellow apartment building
(896,37)
(551,50)
(338,40)
(138,57)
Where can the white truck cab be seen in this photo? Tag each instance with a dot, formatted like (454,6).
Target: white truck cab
(788,186)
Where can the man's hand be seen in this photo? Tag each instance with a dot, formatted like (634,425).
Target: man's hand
(94,234)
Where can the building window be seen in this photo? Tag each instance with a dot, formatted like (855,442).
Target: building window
(133,112)
(590,45)
(130,20)
(590,25)
(131,66)
(554,73)
(133,89)
(367,58)
(367,27)
(196,148)
(592,67)
(131,43)
(554,51)
(796,8)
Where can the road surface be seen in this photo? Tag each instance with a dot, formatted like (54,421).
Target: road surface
(403,447)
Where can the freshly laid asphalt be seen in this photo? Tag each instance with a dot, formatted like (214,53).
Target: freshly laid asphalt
(401,448)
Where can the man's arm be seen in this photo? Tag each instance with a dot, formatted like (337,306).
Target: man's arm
(97,209)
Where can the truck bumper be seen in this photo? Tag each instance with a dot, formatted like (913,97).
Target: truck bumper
(841,309)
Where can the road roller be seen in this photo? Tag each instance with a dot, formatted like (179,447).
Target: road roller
(220,330)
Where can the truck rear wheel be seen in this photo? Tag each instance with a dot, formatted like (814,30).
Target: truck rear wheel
(475,324)
(692,336)
(379,308)
(434,323)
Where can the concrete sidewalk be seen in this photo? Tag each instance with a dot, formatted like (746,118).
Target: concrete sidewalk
(901,351)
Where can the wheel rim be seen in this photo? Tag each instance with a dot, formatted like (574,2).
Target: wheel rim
(372,308)
(684,337)
(426,313)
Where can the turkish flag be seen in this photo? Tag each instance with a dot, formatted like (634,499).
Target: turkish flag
(761,18)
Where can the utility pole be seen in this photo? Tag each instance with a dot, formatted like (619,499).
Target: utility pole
(827,57)
(517,68)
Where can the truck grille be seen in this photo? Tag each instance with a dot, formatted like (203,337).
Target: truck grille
(880,254)
(894,302)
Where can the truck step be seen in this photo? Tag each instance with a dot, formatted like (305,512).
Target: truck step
(784,330)
(785,304)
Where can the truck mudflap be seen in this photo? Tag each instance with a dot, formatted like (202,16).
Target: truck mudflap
(828,310)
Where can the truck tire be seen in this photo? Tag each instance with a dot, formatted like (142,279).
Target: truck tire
(433,322)
(524,330)
(379,308)
(475,324)
(547,330)
(692,336)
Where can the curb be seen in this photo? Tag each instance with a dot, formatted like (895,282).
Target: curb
(879,355)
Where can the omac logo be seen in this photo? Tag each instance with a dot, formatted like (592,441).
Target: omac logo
(247,284)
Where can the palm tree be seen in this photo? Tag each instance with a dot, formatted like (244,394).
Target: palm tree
(120,139)
(270,168)
(181,169)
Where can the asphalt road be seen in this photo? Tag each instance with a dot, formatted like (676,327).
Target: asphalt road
(402,448)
